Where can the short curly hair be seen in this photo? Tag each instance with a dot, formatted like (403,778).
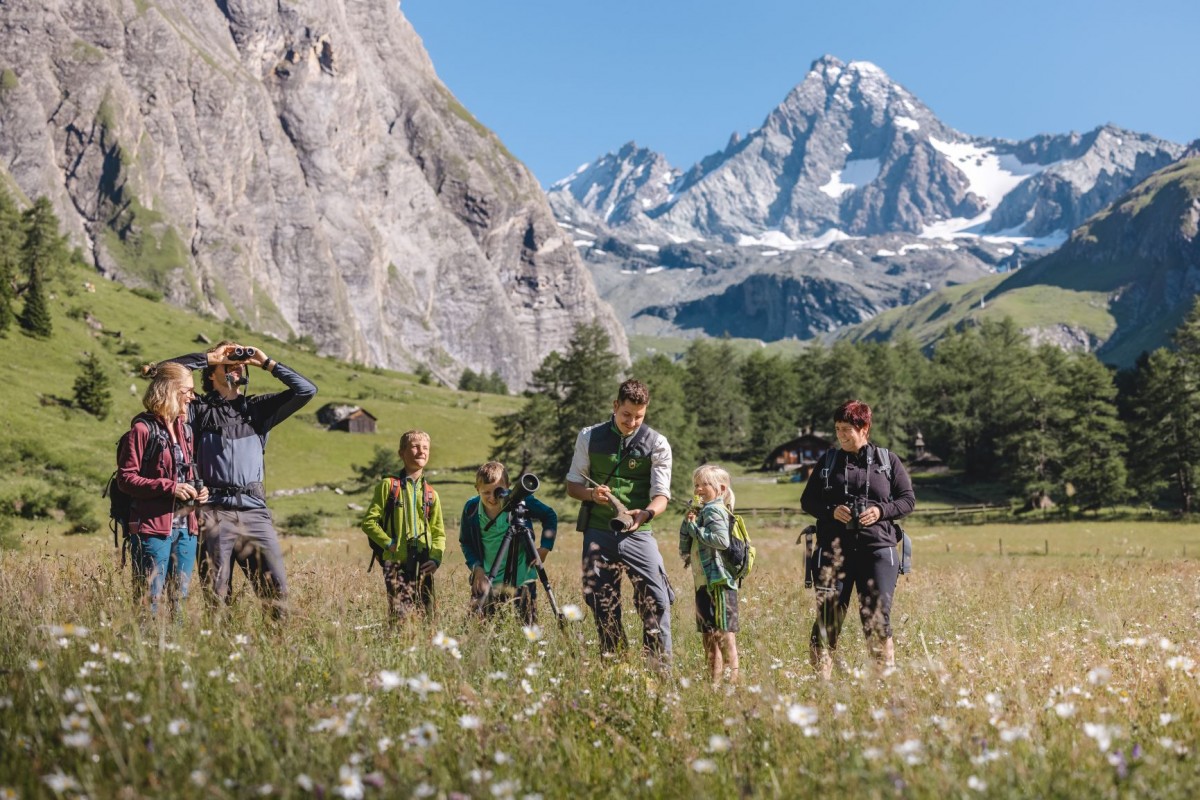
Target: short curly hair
(634,391)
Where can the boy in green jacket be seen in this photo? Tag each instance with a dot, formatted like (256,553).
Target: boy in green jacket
(405,528)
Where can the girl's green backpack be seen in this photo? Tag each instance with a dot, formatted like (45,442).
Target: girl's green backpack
(741,552)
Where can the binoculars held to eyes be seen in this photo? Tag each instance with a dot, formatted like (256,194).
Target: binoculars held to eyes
(241,353)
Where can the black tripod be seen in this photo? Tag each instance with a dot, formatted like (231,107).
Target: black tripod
(518,537)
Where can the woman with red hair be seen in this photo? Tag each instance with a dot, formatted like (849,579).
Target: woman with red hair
(856,495)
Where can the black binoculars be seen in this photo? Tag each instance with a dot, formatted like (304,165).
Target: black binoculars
(241,353)
(857,506)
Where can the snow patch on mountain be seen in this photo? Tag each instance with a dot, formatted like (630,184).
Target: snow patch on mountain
(781,241)
(989,175)
(857,172)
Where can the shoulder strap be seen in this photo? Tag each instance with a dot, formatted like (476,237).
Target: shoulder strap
(885,460)
(428,499)
(389,506)
(829,459)
(155,441)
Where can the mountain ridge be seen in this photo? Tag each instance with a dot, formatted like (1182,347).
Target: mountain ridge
(853,168)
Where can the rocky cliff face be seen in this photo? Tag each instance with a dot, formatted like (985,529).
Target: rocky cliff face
(297,166)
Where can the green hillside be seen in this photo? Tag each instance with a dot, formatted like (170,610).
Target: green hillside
(1029,307)
(1119,279)
(49,449)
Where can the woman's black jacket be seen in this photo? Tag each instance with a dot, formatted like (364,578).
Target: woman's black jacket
(848,479)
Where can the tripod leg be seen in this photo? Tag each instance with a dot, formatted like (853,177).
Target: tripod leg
(535,561)
(505,546)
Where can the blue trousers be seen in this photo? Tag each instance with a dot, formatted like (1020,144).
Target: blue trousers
(163,561)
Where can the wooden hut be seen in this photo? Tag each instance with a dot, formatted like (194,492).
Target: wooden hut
(344,417)
(801,453)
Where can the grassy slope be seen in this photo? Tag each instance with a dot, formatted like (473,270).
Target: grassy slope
(675,346)
(1029,307)
(300,453)
(1079,284)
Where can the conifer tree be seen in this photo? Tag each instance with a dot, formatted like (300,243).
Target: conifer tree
(567,394)
(1162,447)
(35,316)
(770,393)
(11,236)
(43,253)
(715,397)
(1030,441)
(670,415)
(1094,447)
(91,388)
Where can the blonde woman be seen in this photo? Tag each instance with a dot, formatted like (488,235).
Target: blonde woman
(155,469)
(703,539)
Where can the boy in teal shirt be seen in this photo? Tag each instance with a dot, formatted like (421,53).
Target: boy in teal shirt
(481,547)
(405,528)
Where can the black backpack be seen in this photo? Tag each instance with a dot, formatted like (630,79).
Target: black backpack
(119,503)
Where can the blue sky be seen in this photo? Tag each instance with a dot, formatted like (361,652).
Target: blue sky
(563,81)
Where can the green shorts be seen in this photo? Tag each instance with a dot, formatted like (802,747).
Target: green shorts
(717,610)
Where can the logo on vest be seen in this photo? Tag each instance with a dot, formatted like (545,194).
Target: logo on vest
(633,462)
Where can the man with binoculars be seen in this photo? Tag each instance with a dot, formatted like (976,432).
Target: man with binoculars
(621,471)
(231,430)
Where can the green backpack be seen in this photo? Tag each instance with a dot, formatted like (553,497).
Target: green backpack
(740,554)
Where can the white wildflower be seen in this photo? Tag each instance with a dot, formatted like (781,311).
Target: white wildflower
(59,782)
(718,743)
(1103,734)
(79,739)
(350,785)
(58,631)
(704,766)
(801,715)
(422,685)
(389,680)
(572,613)
(469,722)
(911,750)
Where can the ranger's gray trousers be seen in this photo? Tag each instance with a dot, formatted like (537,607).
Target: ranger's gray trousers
(606,555)
(248,537)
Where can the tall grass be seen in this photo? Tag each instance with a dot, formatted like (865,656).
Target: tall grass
(1067,675)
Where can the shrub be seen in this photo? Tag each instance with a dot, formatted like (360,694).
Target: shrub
(148,294)
(303,523)
(385,462)
(79,512)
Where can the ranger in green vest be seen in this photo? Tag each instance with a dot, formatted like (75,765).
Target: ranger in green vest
(624,459)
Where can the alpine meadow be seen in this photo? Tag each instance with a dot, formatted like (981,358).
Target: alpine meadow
(297,346)
(1052,657)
